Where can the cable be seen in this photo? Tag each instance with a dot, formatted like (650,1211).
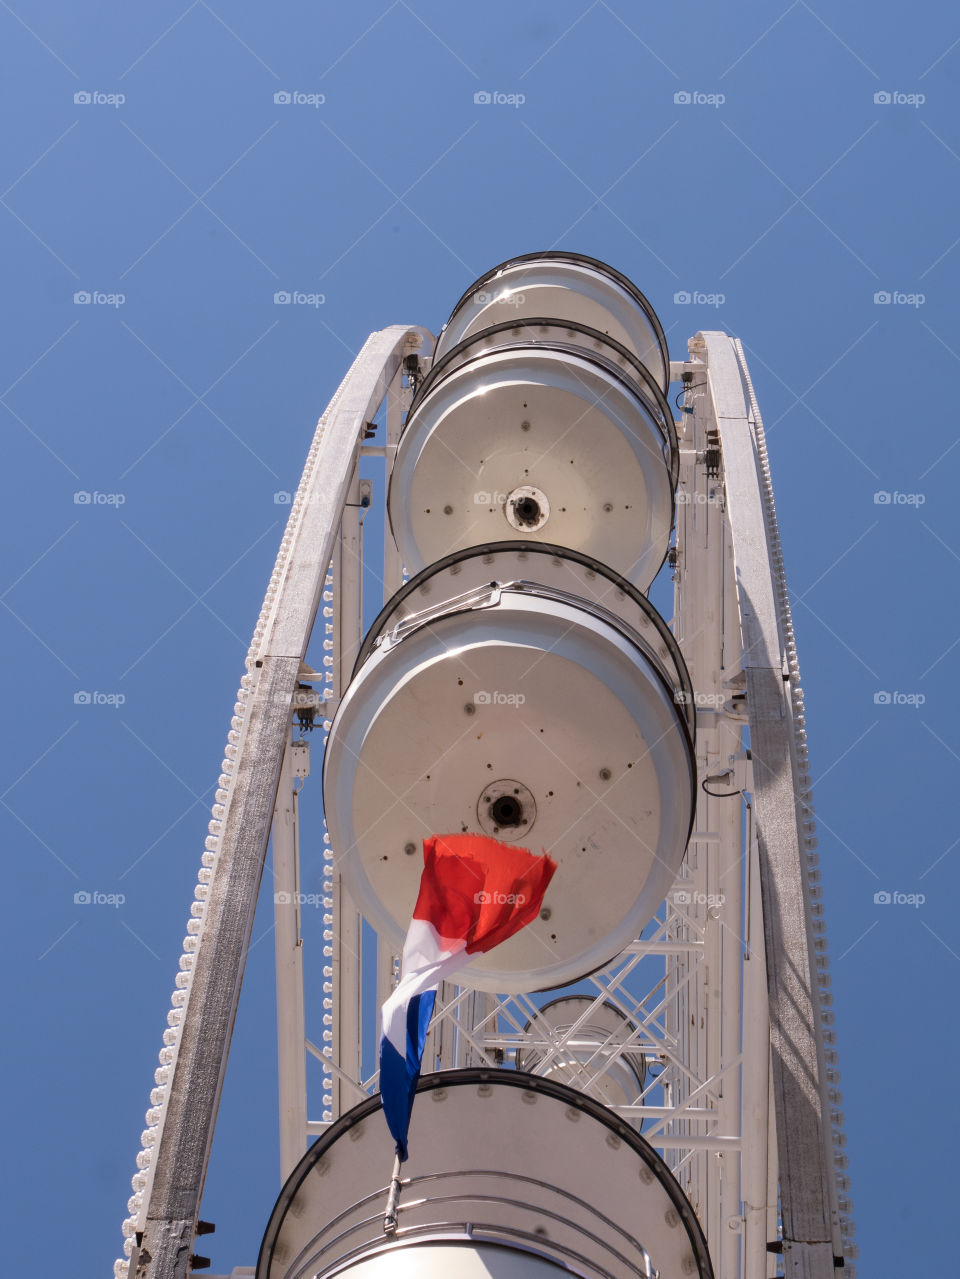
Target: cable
(718,794)
(687,386)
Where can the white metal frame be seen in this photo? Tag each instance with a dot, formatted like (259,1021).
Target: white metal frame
(735,960)
(172,1164)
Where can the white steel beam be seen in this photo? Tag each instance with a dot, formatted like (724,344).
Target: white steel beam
(291,1033)
(756,1077)
(805,1176)
(177,1145)
(343,930)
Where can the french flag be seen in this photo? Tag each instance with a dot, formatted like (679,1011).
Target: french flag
(474,893)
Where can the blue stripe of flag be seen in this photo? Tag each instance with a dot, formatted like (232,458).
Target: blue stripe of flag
(399,1075)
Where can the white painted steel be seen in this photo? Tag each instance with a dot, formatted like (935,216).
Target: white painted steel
(398,403)
(592,1056)
(543,417)
(291,1032)
(176,1143)
(707,1011)
(834,1138)
(755,1174)
(813,1234)
(343,933)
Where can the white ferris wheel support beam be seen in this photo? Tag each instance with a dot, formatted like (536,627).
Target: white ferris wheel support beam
(807,1187)
(183,1133)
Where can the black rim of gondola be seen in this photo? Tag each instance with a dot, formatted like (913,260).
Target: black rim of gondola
(639,378)
(640,390)
(682,695)
(478,1077)
(577,259)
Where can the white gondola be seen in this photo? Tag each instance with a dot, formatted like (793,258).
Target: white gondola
(513,706)
(567,286)
(597,1050)
(510,1176)
(543,429)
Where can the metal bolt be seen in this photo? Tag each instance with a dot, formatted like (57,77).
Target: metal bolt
(470,708)
(605,774)
(409,849)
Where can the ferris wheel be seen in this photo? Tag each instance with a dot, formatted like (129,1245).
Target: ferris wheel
(644,1080)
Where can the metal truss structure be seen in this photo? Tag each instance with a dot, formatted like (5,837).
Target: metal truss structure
(722,1006)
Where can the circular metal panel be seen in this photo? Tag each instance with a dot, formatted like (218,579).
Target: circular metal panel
(536,416)
(559,697)
(565,286)
(495,1157)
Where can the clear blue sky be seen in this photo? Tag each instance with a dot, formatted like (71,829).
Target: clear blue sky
(798,198)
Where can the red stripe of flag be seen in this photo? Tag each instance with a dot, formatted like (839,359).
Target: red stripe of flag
(478,889)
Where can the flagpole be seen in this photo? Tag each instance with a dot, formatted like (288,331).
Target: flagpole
(390,1216)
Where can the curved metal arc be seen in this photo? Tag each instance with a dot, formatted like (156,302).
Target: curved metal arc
(553,550)
(472,1076)
(799,1066)
(315,1250)
(484,1235)
(180,1152)
(576,259)
(646,383)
